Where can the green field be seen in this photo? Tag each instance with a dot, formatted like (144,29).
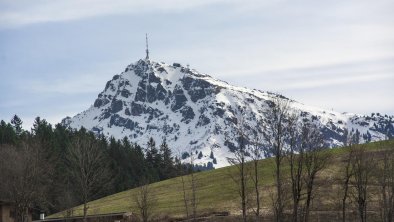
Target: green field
(216,191)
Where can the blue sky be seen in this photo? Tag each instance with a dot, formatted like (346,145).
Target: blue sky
(56,56)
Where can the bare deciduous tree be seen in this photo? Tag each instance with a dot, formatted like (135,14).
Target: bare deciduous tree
(255,173)
(296,161)
(239,161)
(193,186)
(189,188)
(88,168)
(145,202)
(362,166)
(347,173)
(306,158)
(24,177)
(185,196)
(386,183)
(315,160)
(275,133)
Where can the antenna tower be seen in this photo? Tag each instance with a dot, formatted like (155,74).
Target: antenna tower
(147,48)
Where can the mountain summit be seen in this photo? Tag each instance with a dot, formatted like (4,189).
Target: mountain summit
(195,112)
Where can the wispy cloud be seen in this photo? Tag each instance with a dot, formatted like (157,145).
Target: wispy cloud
(76,85)
(89,81)
(312,51)
(17,13)
(335,80)
(316,77)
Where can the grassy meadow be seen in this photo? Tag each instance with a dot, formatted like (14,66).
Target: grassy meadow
(217,192)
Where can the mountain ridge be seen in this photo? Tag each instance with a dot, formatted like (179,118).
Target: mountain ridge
(195,112)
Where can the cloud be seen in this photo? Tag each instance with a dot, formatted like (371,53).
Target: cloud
(304,49)
(318,77)
(17,13)
(79,85)
(334,81)
(82,80)
(25,12)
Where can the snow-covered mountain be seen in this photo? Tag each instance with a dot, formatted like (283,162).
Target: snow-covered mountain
(196,112)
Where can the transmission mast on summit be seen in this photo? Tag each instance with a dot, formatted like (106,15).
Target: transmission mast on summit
(147,60)
(147,49)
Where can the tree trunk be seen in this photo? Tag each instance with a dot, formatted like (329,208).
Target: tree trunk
(85,211)
(278,190)
(296,172)
(295,210)
(194,198)
(308,204)
(243,193)
(344,200)
(349,171)
(185,198)
(256,186)
(384,194)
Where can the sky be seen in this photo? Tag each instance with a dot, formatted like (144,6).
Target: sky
(56,56)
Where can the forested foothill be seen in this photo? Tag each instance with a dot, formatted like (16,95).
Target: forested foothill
(52,168)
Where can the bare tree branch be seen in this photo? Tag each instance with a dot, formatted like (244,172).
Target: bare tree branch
(145,201)
(275,133)
(88,168)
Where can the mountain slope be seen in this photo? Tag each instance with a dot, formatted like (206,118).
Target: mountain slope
(196,113)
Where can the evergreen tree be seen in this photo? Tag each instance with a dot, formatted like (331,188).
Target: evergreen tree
(126,165)
(17,124)
(211,155)
(116,156)
(179,167)
(153,160)
(7,134)
(151,152)
(356,137)
(167,164)
(200,155)
(43,132)
(139,164)
(61,196)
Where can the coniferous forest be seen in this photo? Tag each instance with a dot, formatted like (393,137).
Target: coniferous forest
(52,168)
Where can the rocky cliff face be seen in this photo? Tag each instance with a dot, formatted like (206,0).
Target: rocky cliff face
(196,113)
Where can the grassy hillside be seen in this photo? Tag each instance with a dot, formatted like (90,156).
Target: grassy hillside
(217,192)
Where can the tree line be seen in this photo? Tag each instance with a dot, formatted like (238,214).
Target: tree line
(52,169)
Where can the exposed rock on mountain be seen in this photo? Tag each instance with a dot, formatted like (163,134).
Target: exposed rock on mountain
(196,113)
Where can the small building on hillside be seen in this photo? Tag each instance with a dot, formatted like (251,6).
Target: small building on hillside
(7,212)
